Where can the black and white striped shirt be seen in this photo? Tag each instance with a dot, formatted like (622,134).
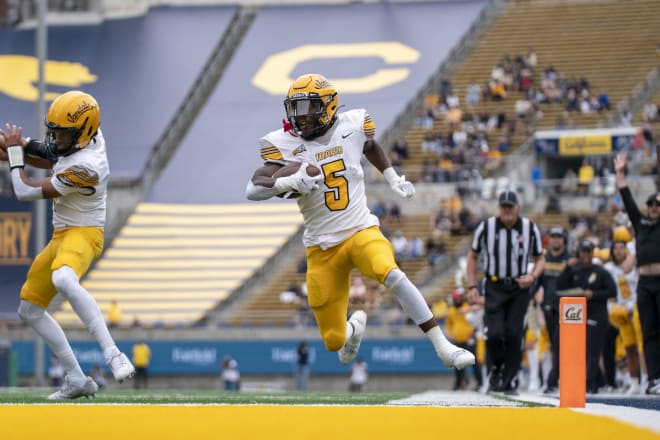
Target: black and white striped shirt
(507,251)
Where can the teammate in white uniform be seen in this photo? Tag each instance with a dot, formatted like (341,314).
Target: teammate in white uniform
(75,151)
(623,312)
(340,231)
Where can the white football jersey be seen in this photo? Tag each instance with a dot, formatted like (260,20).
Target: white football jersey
(338,209)
(82,180)
(626,284)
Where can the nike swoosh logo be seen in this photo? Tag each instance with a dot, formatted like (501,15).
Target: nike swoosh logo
(344,136)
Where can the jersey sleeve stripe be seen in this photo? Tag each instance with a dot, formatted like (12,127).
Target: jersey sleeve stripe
(368,126)
(272,156)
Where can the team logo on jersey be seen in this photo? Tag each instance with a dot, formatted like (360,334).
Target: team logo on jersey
(592,277)
(299,150)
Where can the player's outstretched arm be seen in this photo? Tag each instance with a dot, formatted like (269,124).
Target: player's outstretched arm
(376,155)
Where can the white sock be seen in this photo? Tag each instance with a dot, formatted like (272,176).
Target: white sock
(67,283)
(411,299)
(438,339)
(349,330)
(46,327)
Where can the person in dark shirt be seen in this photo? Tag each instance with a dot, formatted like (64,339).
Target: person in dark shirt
(647,244)
(556,259)
(597,286)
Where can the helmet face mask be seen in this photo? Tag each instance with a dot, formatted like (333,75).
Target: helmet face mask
(311,105)
(72,122)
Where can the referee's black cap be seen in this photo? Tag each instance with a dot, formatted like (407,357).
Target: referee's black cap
(508,197)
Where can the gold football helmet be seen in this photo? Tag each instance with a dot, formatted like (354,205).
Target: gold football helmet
(621,233)
(75,115)
(311,105)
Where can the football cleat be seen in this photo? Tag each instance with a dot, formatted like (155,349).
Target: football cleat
(350,349)
(69,391)
(121,367)
(455,357)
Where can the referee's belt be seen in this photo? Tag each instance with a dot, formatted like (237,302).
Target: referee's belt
(507,281)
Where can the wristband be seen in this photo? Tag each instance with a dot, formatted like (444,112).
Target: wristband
(15,157)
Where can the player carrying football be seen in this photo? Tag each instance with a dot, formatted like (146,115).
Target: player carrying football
(340,231)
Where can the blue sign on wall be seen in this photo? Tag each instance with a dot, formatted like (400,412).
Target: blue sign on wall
(405,356)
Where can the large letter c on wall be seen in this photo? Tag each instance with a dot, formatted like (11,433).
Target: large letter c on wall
(274,75)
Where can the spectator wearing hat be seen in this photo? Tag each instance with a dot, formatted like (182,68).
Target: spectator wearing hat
(509,242)
(557,258)
(598,287)
(647,239)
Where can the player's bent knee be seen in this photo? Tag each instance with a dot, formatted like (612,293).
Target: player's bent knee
(63,278)
(29,313)
(333,340)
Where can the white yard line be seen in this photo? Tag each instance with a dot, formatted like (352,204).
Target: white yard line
(644,418)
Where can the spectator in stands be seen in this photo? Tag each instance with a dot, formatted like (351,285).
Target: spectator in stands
(114,314)
(586,175)
(604,101)
(230,374)
(647,239)
(357,294)
(141,360)
(76,153)
(99,376)
(302,366)
(359,375)
(340,232)
(55,371)
(401,148)
(473,94)
(400,246)
(597,286)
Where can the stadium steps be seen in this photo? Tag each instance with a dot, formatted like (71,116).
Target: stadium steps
(171,264)
(265,307)
(612,44)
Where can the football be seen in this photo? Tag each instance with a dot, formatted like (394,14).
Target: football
(293,167)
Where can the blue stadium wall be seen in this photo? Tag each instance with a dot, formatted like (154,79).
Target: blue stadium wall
(202,357)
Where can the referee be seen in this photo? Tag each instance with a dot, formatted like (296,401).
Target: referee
(509,243)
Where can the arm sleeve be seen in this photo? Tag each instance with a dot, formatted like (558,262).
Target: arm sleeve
(631,207)
(24,192)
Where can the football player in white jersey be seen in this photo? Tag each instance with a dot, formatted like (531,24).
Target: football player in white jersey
(75,151)
(340,232)
(623,312)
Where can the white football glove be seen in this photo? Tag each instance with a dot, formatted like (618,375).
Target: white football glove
(299,182)
(399,184)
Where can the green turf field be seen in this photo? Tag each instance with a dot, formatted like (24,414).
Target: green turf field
(163,397)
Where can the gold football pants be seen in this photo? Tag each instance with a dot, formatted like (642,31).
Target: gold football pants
(73,247)
(329,277)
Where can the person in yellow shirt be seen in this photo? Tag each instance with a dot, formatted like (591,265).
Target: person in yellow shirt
(461,333)
(141,359)
(114,315)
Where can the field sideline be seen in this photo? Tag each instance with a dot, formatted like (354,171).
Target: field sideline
(165,414)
